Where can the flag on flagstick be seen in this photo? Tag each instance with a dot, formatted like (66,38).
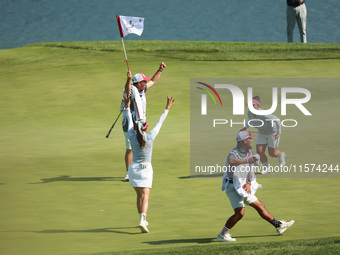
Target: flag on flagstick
(129,25)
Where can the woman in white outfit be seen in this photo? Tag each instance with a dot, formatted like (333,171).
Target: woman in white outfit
(140,170)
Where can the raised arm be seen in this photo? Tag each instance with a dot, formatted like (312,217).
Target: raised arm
(128,83)
(127,113)
(154,132)
(156,76)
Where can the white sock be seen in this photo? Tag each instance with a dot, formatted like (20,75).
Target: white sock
(224,229)
(142,216)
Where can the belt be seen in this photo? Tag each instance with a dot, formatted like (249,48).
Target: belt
(296,5)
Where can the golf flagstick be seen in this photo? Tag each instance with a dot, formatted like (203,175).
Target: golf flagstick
(127,62)
(132,25)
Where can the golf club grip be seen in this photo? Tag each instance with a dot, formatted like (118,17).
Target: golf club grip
(108,134)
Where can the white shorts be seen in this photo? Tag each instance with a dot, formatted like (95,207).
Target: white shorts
(267,139)
(127,141)
(141,175)
(236,200)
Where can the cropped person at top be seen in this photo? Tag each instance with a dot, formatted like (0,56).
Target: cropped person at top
(296,12)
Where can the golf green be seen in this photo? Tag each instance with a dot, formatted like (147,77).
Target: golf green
(61,180)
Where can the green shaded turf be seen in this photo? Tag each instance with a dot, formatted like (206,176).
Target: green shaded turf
(60,178)
(312,246)
(214,51)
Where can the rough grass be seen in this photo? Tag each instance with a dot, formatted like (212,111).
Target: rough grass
(213,51)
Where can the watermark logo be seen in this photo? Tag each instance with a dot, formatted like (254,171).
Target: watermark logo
(239,102)
(204,97)
(221,107)
(238,99)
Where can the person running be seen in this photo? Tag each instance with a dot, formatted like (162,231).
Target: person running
(140,170)
(269,133)
(140,85)
(239,183)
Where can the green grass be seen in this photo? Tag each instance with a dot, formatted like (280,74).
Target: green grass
(312,246)
(213,51)
(60,178)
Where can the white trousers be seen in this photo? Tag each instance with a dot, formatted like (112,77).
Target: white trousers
(297,14)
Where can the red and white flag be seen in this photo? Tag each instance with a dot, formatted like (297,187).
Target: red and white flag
(130,25)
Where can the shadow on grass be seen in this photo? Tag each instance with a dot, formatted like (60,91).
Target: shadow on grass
(98,230)
(67,178)
(255,236)
(200,176)
(174,241)
(184,177)
(196,240)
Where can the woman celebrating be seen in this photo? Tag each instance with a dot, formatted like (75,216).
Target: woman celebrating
(269,132)
(140,170)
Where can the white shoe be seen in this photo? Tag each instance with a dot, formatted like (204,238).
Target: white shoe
(225,238)
(284,226)
(143,226)
(265,169)
(282,160)
(126,178)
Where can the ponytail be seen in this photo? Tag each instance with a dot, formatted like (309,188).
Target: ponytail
(140,139)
